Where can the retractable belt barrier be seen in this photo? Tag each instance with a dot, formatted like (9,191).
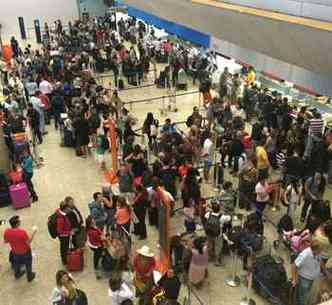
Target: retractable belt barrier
(168,101)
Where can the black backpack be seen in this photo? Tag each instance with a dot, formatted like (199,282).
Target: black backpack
(52,225)
(105,143)
(256,132)
(285,224)
(212,226)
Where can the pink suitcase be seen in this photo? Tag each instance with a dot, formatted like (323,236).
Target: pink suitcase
(20,196)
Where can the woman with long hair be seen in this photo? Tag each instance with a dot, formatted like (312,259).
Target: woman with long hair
(123,214)
(149,120)
(66,291)
(292,197)
(199,262)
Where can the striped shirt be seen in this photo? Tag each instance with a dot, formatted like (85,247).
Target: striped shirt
(316,126)
(280,158)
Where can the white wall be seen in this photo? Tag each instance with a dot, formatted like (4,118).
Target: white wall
(44,10)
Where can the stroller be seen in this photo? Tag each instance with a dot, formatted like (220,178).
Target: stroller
(292,239)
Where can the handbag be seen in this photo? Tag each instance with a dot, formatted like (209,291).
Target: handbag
(81,298)
(134,217)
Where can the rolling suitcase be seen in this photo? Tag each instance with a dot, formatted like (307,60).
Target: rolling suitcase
(19,196)
(19,148)
(4,199)
(75,260)
(121,84)
(68,140)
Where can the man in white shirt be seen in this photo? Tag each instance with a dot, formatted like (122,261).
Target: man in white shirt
(39,106)
(207,156)
(215,218)
(119,292)
(305,269)
(16,83)
(10,104)
(46,87)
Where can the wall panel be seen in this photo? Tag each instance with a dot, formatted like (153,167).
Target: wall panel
(44,10)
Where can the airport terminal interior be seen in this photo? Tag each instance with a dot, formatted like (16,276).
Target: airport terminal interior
(164,152)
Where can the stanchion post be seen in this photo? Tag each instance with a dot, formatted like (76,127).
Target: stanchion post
(199,100)
(163,106)
(247,300)
(233,280)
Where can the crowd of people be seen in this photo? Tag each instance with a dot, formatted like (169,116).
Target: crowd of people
(254,132)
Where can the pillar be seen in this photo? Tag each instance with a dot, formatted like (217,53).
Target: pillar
(4,155)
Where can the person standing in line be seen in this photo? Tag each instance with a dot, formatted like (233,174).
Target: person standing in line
(199,262)
(263,190)
(39,107)
(215,222)
(95,243)
(34,122)
(76,221)
(97,210)
(64,230)
(140,204)
(263,163)
(314,189)
(207,156)
(20,244)
(119,292)
(305,269)
(171,284)
(27,166)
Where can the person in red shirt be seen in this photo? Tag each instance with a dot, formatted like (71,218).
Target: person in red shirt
(95,242)
(143,264)
(20,242)
(45,100)
(123,214)
(64,230)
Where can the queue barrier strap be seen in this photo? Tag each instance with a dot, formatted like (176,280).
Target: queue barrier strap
(161,97)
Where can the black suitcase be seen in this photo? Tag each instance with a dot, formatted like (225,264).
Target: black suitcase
(270,280)
(4,199)
(121,84)
(68,140)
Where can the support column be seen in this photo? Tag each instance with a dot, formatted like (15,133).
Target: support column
(4,155)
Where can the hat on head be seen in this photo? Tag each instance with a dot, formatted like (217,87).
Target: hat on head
(145,251)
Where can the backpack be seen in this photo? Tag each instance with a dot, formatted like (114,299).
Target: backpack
(212,226)
(285,224)
(52,225)
(105,143)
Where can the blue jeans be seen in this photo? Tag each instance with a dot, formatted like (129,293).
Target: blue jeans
(303,290)
(22,259)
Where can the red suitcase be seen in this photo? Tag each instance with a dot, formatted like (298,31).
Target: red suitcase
(75,260)
(19,195)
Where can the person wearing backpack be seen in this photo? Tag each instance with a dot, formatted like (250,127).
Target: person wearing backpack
(314,189)
(63,230)
(215,222)
(77,223)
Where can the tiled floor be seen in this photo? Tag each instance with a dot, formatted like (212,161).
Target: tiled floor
(64,174)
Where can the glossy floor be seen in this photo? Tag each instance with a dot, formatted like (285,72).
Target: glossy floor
(65,174)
